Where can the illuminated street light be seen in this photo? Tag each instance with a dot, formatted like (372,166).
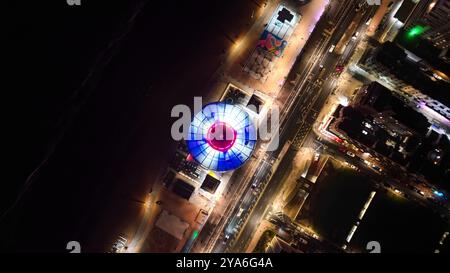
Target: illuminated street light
(438,193)
(431,6)
(195,234)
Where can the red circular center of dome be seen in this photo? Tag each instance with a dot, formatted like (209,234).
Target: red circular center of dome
(221,136)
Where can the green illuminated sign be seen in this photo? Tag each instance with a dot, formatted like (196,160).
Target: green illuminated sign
(416,31)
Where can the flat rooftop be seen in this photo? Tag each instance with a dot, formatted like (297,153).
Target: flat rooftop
(172,224)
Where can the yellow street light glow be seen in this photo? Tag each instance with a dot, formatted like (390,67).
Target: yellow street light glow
(431,6)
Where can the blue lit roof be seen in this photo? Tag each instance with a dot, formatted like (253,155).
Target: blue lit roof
(212,154)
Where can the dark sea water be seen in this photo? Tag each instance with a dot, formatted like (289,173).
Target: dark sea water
(89,91)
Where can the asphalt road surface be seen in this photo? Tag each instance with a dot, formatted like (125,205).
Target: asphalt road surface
(306,106)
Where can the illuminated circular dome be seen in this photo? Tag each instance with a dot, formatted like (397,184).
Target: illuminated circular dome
(221,136)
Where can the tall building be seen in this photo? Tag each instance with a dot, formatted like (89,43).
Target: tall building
(416,82)
(433,18)
(380,121)
(416,10)
(438,21)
